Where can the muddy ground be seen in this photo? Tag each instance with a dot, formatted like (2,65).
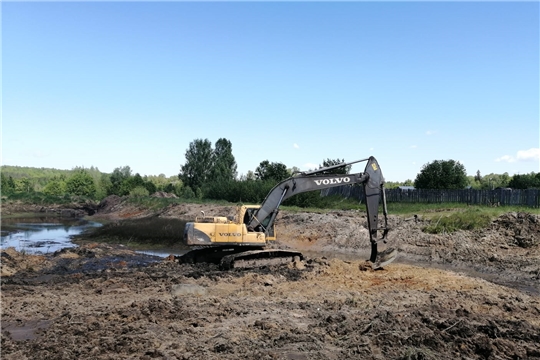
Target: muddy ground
(466,295)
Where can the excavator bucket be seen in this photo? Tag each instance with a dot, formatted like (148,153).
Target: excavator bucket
(380,259)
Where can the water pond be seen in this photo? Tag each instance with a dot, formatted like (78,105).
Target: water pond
(40,234)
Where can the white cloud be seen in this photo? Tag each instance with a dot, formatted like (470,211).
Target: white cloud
(414,146)
(532,154)
(506,158)
(431,132)
(296,146)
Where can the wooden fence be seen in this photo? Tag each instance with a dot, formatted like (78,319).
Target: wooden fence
(516,197)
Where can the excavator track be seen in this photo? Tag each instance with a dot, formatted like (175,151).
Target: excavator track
(211,254)
(240,257)
(259,258)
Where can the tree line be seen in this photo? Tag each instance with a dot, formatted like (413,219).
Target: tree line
(210,172)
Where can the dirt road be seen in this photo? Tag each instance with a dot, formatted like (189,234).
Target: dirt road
(467,295)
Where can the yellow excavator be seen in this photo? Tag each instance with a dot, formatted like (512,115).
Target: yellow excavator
(242,241)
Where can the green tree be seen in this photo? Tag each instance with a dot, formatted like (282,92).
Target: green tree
(505,179)
(478,177)
(408,182)
(492,181)
(196,170)
(249,176)
(104,186)
(81,183)
(8,185)
(160,181)
(150,187)
(525,181)
(341,170)
(223,166)
(25,185)
(186,193)
(271,171)
(442,174)
(56,187)
(117,181)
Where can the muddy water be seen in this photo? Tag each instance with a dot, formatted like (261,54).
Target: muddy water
(42,235)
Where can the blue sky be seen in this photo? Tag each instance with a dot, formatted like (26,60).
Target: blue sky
(110,84)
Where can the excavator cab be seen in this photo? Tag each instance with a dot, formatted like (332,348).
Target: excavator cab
(264,226)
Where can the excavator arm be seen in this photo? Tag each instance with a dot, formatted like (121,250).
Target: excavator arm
(372,181)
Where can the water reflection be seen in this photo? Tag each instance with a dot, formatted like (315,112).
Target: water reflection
(162,253)
(41,235)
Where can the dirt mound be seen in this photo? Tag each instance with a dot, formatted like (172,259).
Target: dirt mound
(13,262)
(110,204)
(163,194)
(521,229)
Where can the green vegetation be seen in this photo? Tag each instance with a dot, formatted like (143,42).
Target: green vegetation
(467,220)
(328,203)
(491,181)
(43,199)
(157,203)
(204,164)
(432,210)
(209,174)
(141,233)
(525,181)
(267,171)
(442,174)
(450,217)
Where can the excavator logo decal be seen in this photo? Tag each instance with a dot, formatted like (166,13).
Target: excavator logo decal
(333,181)
(374,166)
(230,234)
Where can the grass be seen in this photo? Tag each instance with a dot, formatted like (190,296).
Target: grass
(430,211)
(443,217)
(156,203)
(450,217)
(145,232)
(465,220)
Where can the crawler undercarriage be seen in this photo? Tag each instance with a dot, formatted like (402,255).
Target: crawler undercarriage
(240,257)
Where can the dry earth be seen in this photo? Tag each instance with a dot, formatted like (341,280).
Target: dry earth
(467,295)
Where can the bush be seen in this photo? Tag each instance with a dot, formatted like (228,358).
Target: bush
(186,193)
(55,188)
(139,191)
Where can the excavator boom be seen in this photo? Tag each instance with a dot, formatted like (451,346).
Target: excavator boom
(373,183)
